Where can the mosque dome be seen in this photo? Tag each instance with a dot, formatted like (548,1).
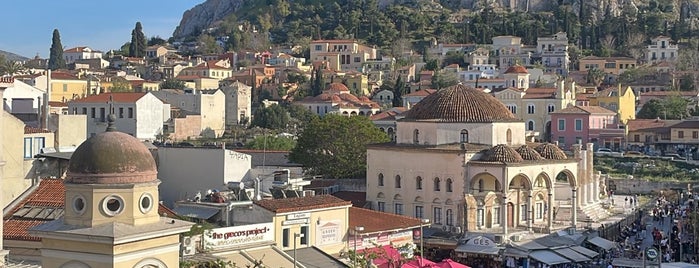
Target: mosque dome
(460,104)
(337,87)
(551,151)
(528,153)
(502,153)
(111,157)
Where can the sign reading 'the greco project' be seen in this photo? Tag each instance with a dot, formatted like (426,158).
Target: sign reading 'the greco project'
(236,236)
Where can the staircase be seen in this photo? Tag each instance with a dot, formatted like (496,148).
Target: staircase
(593,212)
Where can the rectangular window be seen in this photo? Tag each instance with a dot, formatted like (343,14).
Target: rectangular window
(637,138)
(437,215)
(381,206)
(398,209)
(496,215)
(479,217)
(304,235)
(695,134)
(130,112)
(357,59)
(84,110)
(65,87)
(539,210)
(680,134)
(285,238)
(561,124)
(121,112)
(419,212)
(561,141)
(578,124)
(102,115)
(39,143)
(530,109)
(92,112)
(28,148)
(523,212)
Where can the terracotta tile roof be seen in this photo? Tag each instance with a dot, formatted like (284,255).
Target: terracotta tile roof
(517,69)
(388,115)
(584,110)
(502,153)
(57,104)
(647,124)
(122,97)
(63,76)
(421,93)
(539,93)
(17,230)
(376,221)
(74,50)
(667,93)
(582,96)
(34,130)
(301,203)
(167,212)
(49,194)
(686,124)
(462,104)
(358,199)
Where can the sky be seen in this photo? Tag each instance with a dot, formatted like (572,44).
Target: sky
(103,25)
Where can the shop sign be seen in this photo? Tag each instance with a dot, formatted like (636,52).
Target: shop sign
(481,242)
(294,222)
(400,237)
(296,216)
(328,233)
(236,236)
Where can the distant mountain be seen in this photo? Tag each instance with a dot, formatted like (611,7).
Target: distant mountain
(12,56)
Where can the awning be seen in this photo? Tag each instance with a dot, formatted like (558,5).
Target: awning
(601,242)
(269,254)
(624,262)
(478,250)
(571,254)
(196,212)
(548,257)
(515,252)
(679,265)
(585,251)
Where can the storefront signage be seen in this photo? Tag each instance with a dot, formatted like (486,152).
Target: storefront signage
(236,236)
(651,253)
(296,216)
(481,242)
(294,222)
(329,232)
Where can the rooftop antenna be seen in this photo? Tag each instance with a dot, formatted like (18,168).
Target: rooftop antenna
(111,118)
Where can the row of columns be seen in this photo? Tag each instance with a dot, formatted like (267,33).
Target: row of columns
(530,212)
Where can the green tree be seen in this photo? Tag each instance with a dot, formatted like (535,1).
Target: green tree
(137,48)
(208,45)
(172,84)
(120,85)
(318,83)
(398,91)
(672,107)
(335,146)
(8,67)
(56,60)
(442,79)
(595,76)
(156,40)
(300,115)
(272,117)
(270,142)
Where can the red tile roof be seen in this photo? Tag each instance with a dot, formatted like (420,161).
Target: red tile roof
(49,194)
(517,69)
(584,110)
(423,92)
(75,49)
(358,199)
(388,115)
(166,212)
(376,221)
(17,230)
(648,124)
(301,203)
(63,76)
(34,130)
(57,104)
(122,97)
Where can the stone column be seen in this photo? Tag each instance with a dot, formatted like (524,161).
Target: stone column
(595,187)
(549,211)
(504,214)
(574,209)
(530,213)
(590,191)
(589,171)
(4,83)
(580,175)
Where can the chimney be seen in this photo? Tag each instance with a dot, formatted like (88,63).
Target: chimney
(258,195)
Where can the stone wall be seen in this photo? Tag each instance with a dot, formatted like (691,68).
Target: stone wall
(638,186)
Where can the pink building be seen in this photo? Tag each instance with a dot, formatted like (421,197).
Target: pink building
(583,124)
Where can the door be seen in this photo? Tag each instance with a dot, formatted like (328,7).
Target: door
(510,215)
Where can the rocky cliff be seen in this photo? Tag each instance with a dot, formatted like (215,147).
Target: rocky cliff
(203,16)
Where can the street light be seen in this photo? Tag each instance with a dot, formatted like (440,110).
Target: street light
(422,237)
(296,236)
(357,229)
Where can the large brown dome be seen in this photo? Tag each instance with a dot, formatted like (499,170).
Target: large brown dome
(528,153)
(551,151)
(111,158)
(460,104)
(502,153)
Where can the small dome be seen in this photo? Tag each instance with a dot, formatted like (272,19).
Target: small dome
(336,99)
(502,153)
(111,157)
(337,87)
(551,151)
(460,104)
(516,69)
(364,99)
(528,153)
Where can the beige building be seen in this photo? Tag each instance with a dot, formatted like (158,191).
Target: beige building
(661,49)
(466,166)
(5,82)
(70,130)
(111,217)
(341,55)
(338,99)
(238,103)
(210,105)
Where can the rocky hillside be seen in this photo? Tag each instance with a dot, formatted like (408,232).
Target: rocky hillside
(12,56)
(203,16)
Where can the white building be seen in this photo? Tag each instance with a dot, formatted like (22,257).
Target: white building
(184,172)
(338,99)
(77,53)
(139,114)
(24,101)
(509,51)
(661,49)
(211,105)
(238,103)
(553,52)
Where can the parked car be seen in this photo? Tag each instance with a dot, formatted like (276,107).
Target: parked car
(675,156)
(603,151)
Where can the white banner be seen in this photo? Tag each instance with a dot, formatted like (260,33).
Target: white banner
(236,236)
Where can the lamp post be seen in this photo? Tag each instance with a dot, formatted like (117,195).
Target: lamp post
(296,236)
(357,229)
(422,238)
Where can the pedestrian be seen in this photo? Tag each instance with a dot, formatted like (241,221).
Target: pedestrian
(626,199)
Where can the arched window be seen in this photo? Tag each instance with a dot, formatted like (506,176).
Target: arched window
(397,181)
(449,185)
(551,108)
(416,136)
(450,217)
(391,134)
(480,185)
(509,136)
(418,183)
(530,125)
(437,184)
(380,179)
(464,136)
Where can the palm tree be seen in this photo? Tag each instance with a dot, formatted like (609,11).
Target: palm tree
(11,68)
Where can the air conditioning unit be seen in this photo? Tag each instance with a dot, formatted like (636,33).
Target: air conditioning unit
(309,193)
(516,238)
(456,229)
(189,246)
(445,228)
(498,239)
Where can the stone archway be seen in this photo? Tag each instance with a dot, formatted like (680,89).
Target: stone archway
(567,176)
(484,183)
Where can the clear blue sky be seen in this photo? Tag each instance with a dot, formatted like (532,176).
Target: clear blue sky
(102,25)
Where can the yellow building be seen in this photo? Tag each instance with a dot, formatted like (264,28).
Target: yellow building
(620,99)
(358,83)
(609,65)
(111,217)
(66,87)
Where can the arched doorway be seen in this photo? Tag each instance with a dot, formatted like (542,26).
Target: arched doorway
(547,132)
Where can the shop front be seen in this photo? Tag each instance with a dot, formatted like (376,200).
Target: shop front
(480,251)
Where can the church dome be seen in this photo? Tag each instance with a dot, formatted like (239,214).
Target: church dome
(111,157)
(516,69)
(502,153)
(337,87)
(551,151)
(528,153)
(460,104)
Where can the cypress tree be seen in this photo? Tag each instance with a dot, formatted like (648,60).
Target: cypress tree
(137,48)
(56,60)
(398,91)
